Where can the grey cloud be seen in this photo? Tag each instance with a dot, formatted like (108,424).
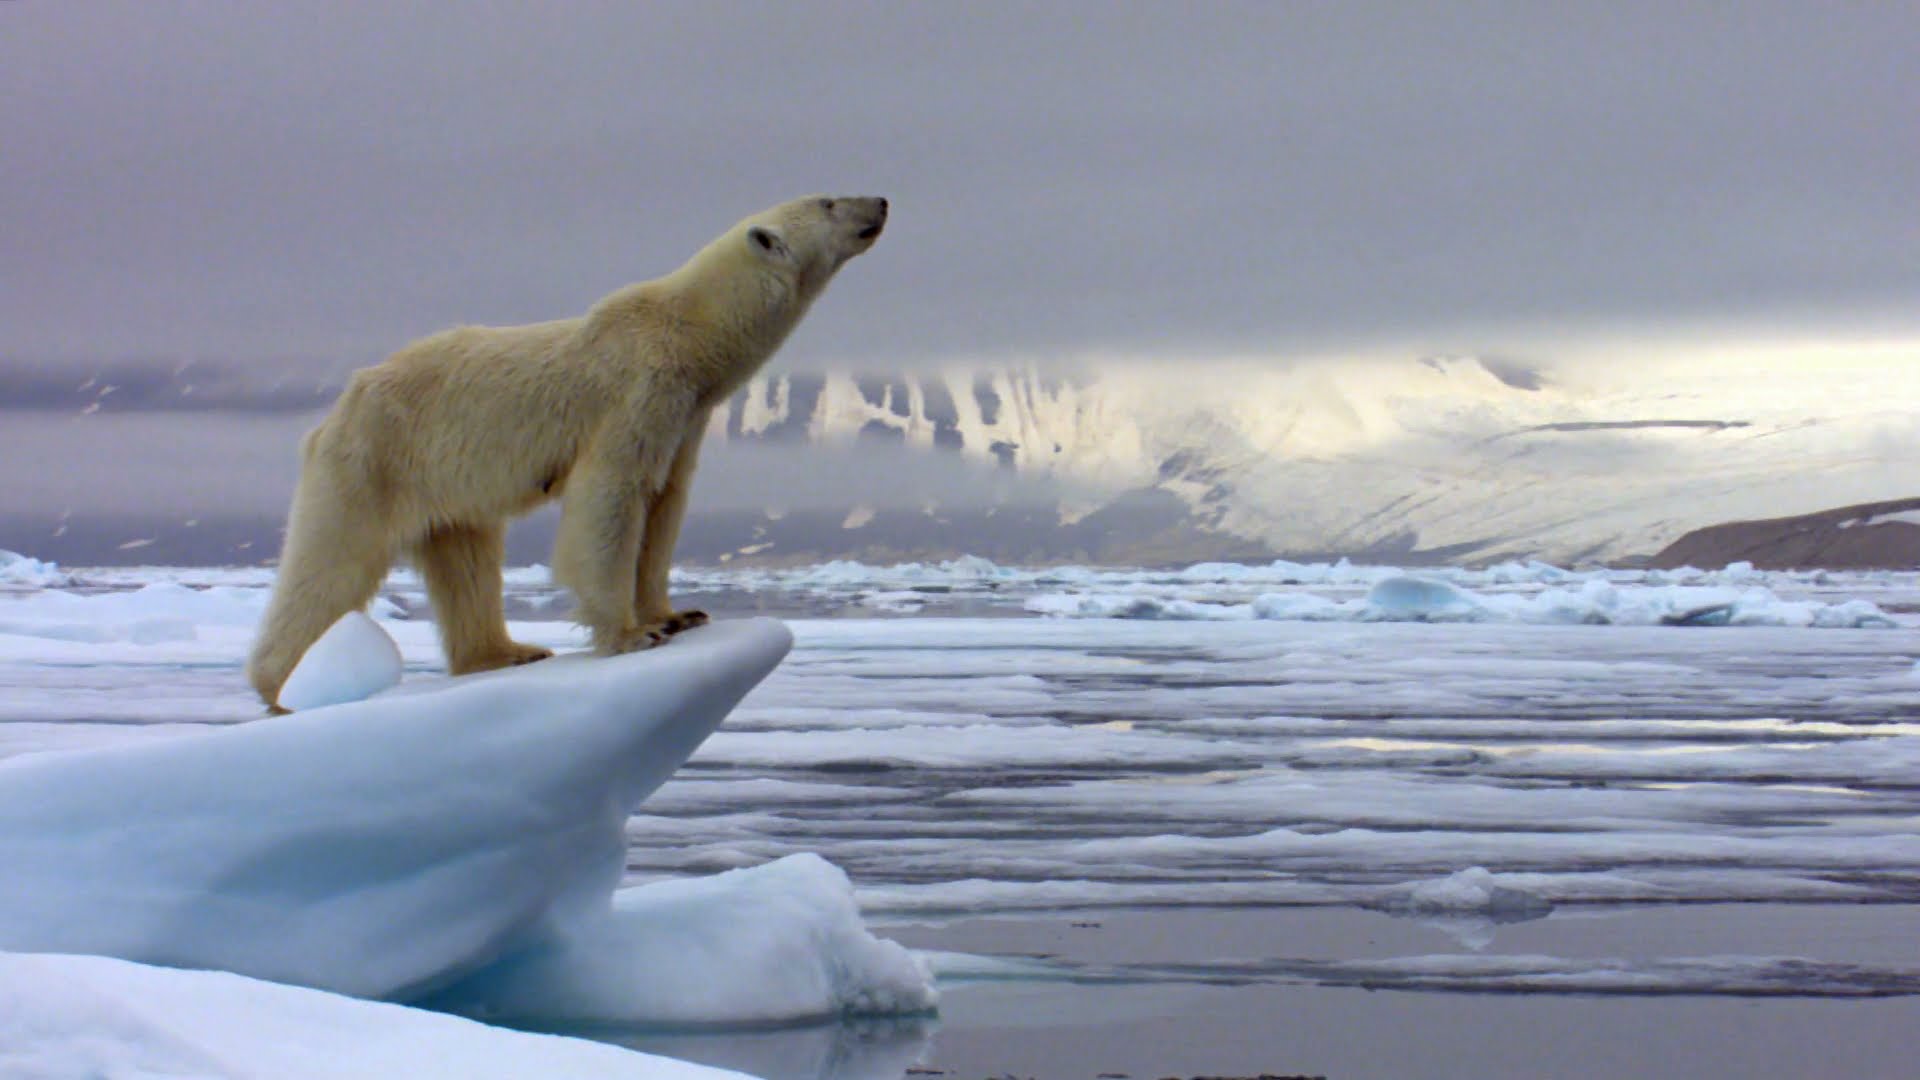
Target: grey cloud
(335,179)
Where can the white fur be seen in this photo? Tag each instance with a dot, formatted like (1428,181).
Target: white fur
(431,452)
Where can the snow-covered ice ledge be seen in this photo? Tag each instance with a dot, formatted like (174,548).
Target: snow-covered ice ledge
(462,838)
(92,1017)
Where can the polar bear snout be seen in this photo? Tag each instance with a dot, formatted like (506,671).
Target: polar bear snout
(873,218)
(849,223)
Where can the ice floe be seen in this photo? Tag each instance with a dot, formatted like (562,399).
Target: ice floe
(353,660)
(1406,598)
(464,839)
(93,1016)
(1473,891)
(24,571)
(981,766)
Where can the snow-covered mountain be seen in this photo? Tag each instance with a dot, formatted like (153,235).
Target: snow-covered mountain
(1604,456)
(1460,458)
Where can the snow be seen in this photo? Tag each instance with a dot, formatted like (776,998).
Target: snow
(20,570)
(154,613)
(343,848)
(352,661)
(1609,454)
(396,846)
(1903,517)
(787,934)
(75,1017)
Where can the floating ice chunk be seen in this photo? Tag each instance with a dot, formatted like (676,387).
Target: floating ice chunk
(1301,607)
(352,661)
(1529,572)
(154,631)
(967,571)
(787,935)
(221,605)
(533,575)
(1344,571)
(154,613)
(973,566)
(18,569)
(897,601)
(379,848)
(91,1016)
(1134,606)
(160,611)
(1473,891)
(1853,614)
(1404,599)
(835,572)
(1215,571)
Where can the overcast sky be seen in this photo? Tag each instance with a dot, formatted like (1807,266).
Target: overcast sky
(281,192)
(330,179)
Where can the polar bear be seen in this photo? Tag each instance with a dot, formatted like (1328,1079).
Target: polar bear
(429,453)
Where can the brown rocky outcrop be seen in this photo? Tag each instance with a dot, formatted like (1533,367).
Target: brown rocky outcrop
(1858,537)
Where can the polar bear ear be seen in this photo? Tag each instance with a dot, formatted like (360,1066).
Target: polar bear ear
(767,243)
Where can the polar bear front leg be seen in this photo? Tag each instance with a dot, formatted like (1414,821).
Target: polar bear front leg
(595,556)
(665,513)
(605,514)
(597,551)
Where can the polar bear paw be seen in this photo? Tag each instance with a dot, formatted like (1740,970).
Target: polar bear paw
(518,653)
(511,654)
(632,639)
(684,620)
(649,634)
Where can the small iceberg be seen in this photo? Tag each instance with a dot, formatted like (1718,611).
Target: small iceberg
(459,842)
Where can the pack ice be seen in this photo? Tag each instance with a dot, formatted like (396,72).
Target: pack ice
(461,839)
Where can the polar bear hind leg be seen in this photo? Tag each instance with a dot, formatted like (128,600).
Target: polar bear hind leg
(332,563)
(461,565)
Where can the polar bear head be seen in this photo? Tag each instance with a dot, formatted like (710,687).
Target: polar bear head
(759,277)
(815,236)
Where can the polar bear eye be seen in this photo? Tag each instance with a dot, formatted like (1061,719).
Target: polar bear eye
(827,205)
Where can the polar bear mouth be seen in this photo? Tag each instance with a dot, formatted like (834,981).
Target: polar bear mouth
(868,233)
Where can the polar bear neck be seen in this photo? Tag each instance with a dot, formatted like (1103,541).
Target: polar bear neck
(741,299)
(739,308)
(714,322)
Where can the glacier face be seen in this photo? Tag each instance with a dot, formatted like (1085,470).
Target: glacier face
(1460,458)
